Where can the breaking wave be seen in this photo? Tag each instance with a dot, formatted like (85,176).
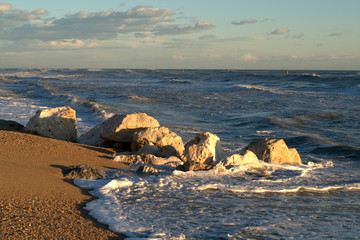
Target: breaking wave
(262,88)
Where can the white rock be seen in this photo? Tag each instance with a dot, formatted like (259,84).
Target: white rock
(160,137)
(58,123)
(249,159)
(274,151)
(204,149)
(119,128)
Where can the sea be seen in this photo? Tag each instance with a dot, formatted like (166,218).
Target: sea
(316,112)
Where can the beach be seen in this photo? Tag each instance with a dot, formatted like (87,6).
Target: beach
(36,201)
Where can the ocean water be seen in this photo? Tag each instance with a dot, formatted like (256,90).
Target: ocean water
(317,112)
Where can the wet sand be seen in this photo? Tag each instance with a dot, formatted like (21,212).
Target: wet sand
(36,201)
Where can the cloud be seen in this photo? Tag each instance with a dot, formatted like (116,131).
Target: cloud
(280,31)
(248,57)
(94,25)
(65,44)
(179,57)
(246,21)
(335,34)
(15,17)
(207,37)
(176,29)
(5,7)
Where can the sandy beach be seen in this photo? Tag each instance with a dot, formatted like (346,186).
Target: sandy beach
(36,201)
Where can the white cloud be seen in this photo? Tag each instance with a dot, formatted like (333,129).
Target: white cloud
(248,57)
(280,31)
(5,7)
(246,21)
(66,44)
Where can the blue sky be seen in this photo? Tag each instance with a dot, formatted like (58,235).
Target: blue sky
(230,34)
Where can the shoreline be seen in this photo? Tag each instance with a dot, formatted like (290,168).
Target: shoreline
(36,201)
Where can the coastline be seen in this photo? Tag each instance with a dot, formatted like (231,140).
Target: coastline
(36,201)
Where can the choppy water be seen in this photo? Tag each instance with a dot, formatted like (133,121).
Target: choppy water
(317,112)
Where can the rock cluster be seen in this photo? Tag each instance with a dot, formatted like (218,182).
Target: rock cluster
(149,143)
(83,171)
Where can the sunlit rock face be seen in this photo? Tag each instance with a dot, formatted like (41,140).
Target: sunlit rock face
(274,151)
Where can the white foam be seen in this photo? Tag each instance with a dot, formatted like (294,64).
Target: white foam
(130,203)
(262,88)
(18,109)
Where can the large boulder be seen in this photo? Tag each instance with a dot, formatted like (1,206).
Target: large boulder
(161,137)
(203,152)
(58,123)
(92,137)
(119,128)
(248,159)
(274,151)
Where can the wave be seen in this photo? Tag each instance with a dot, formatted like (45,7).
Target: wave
(135,98)
(262,88)
(313,75)
(100,111)
(344,151)
(38,74)
(175,80)
(352,91)
(95,69)
(299,189)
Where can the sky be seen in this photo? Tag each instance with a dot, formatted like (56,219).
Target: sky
(229,34)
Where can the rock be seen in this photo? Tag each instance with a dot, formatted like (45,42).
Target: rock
(147,170)
(167,151)
(149,159)
(58,123)
(149,148)
(204,149)
(194,166)
(148,135)
(10,125)
(128,159)
(119,128)
(173,162)
(274,151)
(160,137)
(83,171)
(249,159)
(92,137)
